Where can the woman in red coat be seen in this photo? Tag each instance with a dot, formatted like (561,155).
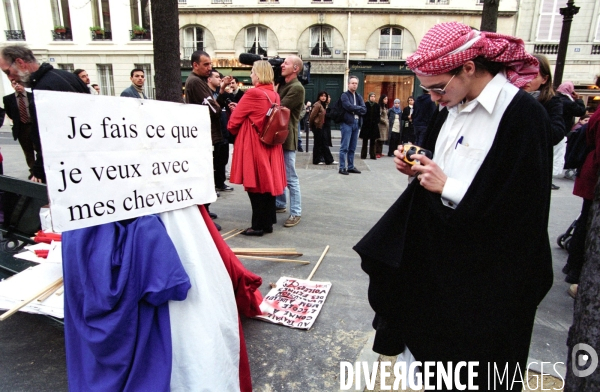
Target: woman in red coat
(259,167)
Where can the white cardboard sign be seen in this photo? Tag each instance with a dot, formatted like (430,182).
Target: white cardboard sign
(295,303)
(112,158)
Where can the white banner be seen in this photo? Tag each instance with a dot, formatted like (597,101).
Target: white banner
(295,303)
(111,158)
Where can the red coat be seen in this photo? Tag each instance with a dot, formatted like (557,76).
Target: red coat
(586,180)
(259,167)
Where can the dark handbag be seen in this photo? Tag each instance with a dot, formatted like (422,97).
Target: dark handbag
(275,128)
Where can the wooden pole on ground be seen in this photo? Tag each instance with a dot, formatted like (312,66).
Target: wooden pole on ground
(273,259)
(318,263)
(231,236)
(51,287)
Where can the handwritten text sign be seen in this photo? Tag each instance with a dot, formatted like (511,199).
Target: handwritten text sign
(111,158)
(295,303)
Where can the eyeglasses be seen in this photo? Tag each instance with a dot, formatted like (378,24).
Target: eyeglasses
(7,70)
(438,91)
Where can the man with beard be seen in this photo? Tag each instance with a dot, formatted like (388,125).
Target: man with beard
(20,65)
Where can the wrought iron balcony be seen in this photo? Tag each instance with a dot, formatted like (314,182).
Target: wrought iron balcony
(186,51)
(545,49)
(390,53)
(147,36)
(221,2)
(15,35)
(67,35)
(106,36)
(595,49)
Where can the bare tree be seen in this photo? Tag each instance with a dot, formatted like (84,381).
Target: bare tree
(165,38)
(489,15)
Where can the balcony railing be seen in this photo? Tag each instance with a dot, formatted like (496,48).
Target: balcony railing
(106,36)
(147,36)
(442,2)
(545,49)
(595,49)
(186,51)
(390,53)
(220,1)
(66,36)
(15,35)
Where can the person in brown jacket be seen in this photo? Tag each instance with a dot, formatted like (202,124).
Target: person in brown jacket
(321,153)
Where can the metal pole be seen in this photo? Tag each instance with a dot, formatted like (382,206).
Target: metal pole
(567,12)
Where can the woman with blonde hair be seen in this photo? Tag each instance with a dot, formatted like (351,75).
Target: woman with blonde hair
(257,166)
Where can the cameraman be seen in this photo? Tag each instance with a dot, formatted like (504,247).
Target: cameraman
(292,97)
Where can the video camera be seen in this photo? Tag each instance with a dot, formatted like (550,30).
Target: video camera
(250,58)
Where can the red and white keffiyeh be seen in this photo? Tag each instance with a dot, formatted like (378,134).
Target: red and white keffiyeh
(449,45)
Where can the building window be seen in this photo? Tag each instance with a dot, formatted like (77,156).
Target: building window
(550,22)
(478,2)
(149,85)
(268,1)
(66,67)
(220,1)
(320,41)
(105,79)
(15,30)
(446,2)
(101,18)
(597,38)
(390,43)
(61,18)
(256,40)
(192,40)
(140,17)
(379,1)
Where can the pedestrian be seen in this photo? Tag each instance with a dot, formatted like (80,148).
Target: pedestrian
(383,125)
(395,127)
(460,262)
(424,110)
(354,108)
(136,90)
(256,165)
(21,66)
(541,89)
(17,109)
(573,106)
(321,153)
(369,131)
(408,130)
(292,97)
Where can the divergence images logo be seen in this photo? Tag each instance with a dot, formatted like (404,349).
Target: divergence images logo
(589,357)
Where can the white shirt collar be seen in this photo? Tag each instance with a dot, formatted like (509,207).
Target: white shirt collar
(488,96)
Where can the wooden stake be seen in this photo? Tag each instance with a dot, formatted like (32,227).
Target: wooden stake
(51,287)
(229,232)
(44,297)
(273,259)
(268,253)
(60,291)
(318,263)
(263,249)
(231,236)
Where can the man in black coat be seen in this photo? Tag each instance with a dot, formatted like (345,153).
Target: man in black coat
(20,65)
(21,129)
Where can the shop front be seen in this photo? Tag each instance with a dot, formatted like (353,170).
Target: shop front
(392,78)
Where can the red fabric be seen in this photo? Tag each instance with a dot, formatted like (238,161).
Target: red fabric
(247,296)
(260,168)
(586,180)
(439,52)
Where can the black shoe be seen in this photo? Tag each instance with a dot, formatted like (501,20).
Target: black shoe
(212,215)
(225,188)
(218,226)
(343,171)
(354,170)
(269,230)
(566,269)
(573,276)
(300,149)
(251,232)
(554,187)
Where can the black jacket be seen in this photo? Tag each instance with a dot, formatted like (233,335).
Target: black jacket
(423,110)
(12,111)
(571,109)
(48,78)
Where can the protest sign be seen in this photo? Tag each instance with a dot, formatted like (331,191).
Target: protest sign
(295,303)
(112,158)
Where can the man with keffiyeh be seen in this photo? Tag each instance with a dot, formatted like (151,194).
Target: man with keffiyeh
(460,262)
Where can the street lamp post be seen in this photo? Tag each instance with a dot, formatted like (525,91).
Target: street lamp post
(567,12)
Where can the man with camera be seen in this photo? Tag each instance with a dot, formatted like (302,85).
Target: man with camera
(292,97)
(459,264)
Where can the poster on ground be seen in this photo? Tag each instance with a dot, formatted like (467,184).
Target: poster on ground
(112,158)
(295,303)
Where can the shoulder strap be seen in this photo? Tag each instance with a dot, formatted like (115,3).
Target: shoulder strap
(271,102)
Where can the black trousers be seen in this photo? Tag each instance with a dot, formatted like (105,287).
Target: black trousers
(263,210)
(394,142)
(26,144)
(577,245)
(371,147)
(220,159)
(321,149)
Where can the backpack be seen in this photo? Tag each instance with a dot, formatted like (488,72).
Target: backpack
(337,111)
(577,149)
(275,128)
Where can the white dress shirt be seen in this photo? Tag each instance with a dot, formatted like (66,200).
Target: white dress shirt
(467,136)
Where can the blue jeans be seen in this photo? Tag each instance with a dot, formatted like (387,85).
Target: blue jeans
(293,185)
(348,144)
